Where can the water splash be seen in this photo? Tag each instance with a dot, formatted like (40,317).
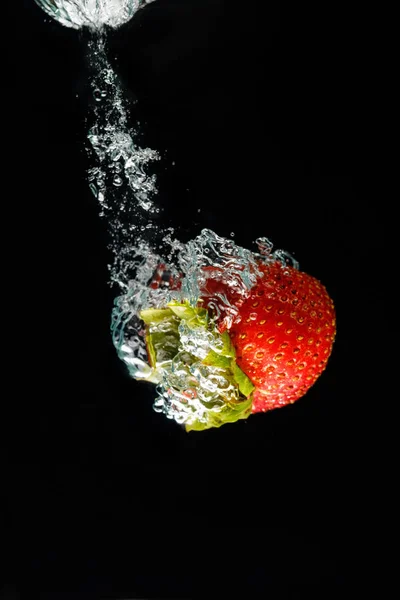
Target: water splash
(151,266)
(119,177)
(188,390)
(93,14)
(119,180)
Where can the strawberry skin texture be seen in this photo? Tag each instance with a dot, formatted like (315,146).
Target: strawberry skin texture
(284,336)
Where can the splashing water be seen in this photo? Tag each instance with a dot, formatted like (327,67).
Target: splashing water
(151,267)
(119,180)
(188,390)
(93,14)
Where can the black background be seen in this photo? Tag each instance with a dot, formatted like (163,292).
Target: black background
(105,498)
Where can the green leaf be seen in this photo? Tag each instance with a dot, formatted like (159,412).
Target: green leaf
(163,343)
(213,359)
(162,335)
(186,312)
(150,350)
(154,315)
(228,348)
(230,414)
(244,383)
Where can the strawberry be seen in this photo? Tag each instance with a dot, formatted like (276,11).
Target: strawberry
(284,335)
(237,353)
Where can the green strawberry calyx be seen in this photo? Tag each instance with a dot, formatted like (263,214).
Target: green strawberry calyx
(199,382)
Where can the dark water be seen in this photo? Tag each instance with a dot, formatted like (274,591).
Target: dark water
(108,496)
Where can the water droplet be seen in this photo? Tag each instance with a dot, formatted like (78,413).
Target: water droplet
(117,181)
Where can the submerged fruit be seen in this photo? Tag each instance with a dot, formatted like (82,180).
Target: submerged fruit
(229,334)
(285,335)
(275,349)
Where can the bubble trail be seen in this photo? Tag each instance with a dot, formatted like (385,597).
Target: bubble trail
(175,321)
(120,179)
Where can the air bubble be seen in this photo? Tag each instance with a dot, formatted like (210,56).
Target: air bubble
(97,95)
(118,181)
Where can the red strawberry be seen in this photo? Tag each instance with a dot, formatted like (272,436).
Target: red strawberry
(264,349)
(285,335)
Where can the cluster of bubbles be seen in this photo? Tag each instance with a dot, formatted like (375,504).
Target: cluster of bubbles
(189,390)
(119,179)
(93,14)
(193,392)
